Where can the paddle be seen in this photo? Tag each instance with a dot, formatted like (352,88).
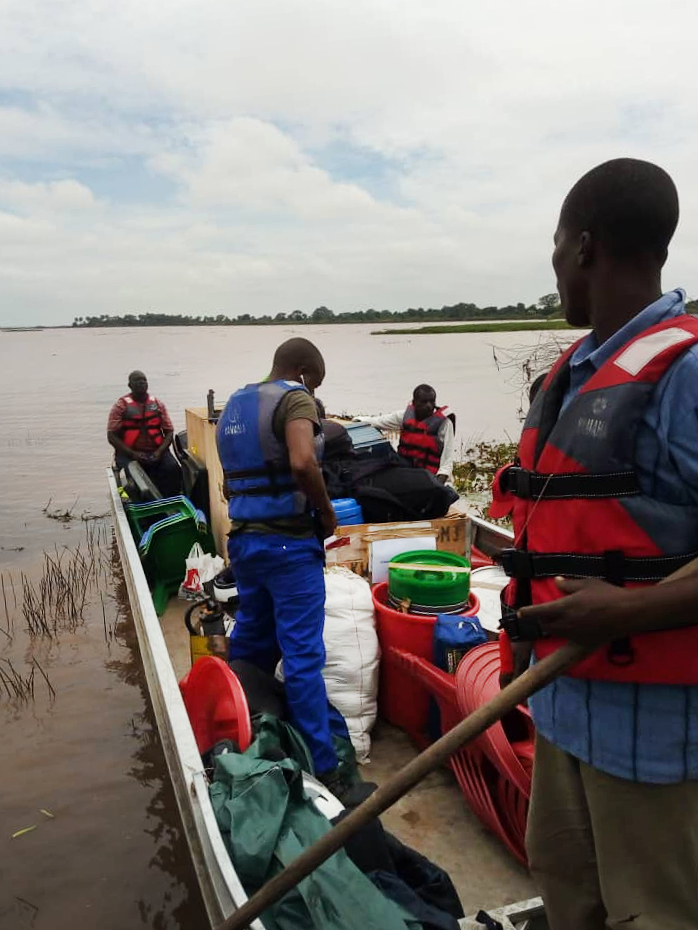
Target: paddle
(532,680)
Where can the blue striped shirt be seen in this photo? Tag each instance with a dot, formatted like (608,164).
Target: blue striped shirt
(645,733)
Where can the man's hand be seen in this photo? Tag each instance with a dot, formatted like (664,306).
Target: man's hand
(593,612)
(442,479)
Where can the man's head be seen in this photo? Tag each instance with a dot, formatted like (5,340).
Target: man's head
(618,217)
(138,384)
(299,360)
(423,401)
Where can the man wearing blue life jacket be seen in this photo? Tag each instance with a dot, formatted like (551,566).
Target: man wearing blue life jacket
(270,446)
(605,491)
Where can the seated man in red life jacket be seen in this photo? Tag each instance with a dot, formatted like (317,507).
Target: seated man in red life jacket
(140,429)
(427,433)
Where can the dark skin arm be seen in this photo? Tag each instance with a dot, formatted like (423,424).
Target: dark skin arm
(167,438)
(120,446)
(300,442)
(595,612)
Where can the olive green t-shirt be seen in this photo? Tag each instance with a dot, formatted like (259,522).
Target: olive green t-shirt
(295,405)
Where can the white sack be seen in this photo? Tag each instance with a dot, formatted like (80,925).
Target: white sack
(351,644)
(352,654)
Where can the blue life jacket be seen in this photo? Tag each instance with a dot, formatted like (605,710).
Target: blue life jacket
(258,478)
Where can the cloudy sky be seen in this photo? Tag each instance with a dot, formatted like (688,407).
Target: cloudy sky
(259,156)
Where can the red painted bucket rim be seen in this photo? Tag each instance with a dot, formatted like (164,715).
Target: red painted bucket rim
(379,593)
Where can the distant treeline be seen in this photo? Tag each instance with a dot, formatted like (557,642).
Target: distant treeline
(546,307)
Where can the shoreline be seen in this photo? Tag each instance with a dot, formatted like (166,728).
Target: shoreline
(508,327)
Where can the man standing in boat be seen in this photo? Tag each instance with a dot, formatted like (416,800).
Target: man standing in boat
(427,433)
(140,430)
(270,446)
(606,491)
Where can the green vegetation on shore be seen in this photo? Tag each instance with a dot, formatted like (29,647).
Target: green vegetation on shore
(517,326)
(477,464)
(473,473)
(547,306)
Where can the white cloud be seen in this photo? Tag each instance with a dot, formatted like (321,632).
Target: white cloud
(52,197)
(202,157)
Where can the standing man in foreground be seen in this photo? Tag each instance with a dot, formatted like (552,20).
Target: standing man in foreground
(270,445)
(606,491)
(140,429)
(427,433)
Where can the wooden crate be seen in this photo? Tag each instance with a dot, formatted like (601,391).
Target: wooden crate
(452,535)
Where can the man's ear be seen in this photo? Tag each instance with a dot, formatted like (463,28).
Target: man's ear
(585,250)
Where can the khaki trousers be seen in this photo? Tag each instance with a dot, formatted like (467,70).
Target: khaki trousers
(610,853)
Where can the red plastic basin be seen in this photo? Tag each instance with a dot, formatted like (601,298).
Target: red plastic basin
(216,704)
(403,701)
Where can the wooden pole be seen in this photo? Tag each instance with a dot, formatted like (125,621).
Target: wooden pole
(532,680)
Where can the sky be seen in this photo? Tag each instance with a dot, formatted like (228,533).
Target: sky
(265,156)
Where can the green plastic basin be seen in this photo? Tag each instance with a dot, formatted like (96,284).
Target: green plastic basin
(424,585)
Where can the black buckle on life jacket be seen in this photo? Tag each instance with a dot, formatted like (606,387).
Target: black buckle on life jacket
(520,629)
(517,481)
(517,563)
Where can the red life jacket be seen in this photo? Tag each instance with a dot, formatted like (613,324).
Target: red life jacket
(141,420)
(578,509)
(419,439)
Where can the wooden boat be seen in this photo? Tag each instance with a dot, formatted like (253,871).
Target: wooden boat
(165,655)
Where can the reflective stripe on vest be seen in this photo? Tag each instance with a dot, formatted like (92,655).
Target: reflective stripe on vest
(258,478)
(562,506)
(141,420)
(419,439)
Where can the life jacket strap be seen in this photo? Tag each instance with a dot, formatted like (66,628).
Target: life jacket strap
(265,472)
(267,491)
(531,485)
(611,566)
(280,482)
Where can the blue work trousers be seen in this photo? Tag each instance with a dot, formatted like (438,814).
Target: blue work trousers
(282,610)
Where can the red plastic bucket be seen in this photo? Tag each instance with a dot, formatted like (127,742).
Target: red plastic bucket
(216,704)
(403,701)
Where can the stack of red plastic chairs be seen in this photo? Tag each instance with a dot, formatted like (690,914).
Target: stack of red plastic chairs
(494,771)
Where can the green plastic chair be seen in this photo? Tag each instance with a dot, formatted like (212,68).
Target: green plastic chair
(164,548)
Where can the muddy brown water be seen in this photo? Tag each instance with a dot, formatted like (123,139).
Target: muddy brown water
(109,853)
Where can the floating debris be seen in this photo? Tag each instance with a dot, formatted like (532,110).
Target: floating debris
(46,813)
(62,516)
(23,831)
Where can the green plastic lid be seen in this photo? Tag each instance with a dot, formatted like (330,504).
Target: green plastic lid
(426,579)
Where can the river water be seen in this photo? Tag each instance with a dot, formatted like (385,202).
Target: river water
(81,762)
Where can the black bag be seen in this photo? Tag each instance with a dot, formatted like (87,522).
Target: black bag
(337,441)
(403,493)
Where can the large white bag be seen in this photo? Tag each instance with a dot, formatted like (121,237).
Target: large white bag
(353,654)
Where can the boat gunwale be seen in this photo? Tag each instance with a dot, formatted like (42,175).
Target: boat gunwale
(221,888)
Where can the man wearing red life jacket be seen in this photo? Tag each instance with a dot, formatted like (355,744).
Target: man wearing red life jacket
(426,433)
(140,429)
(605,491)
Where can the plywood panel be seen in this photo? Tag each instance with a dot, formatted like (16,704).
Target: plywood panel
(201,437)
